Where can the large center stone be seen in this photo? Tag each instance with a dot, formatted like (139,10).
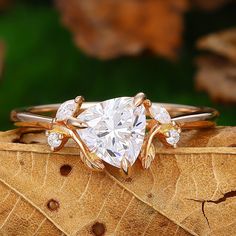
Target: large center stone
(116,130)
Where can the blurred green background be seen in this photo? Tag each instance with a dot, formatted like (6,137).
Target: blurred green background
(42,65)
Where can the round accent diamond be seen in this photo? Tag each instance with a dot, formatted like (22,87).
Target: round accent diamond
(160,114)
(116,130)
(66,110)
(174,137)
(54,140)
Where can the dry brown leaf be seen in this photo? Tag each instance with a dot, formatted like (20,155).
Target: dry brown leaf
(107,29)
(187,191)
(217,72)
(218,77)
(221,43)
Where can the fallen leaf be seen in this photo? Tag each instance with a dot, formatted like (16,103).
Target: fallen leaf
(187,191)
(221,43)
(108,29)
(217,77)
(217,71)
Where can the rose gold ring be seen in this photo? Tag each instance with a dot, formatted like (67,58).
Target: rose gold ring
(116,131)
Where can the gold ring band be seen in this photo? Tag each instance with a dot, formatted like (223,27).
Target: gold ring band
(180,113)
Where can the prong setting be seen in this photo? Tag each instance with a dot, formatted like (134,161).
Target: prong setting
(139,99)
(75,123)
(47,132)
(125,166)
(79,100)
(147,103)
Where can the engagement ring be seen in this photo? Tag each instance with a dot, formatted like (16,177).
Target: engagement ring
(117,131)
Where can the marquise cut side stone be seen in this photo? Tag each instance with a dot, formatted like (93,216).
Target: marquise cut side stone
(160,114)
(66,110)
(116,130)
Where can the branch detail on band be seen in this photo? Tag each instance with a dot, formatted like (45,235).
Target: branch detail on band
(114,131)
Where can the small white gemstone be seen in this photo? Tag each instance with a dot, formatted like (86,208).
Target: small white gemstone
(66,110)
(160,114)
(174,137)
(116,130)
(54,140)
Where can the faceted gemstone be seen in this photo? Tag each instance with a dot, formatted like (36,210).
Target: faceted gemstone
(174,137)
(160,114)
(116,130)
(54,140)
(66,110)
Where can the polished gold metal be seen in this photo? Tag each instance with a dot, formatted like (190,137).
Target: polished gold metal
(183,117)
(139,99)
(125,167)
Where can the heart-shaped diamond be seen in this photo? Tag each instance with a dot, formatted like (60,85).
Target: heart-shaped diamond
(116,130)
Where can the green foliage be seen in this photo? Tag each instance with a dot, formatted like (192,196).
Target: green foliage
(43,66)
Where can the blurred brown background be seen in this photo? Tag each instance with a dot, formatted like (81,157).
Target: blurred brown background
(179,51)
